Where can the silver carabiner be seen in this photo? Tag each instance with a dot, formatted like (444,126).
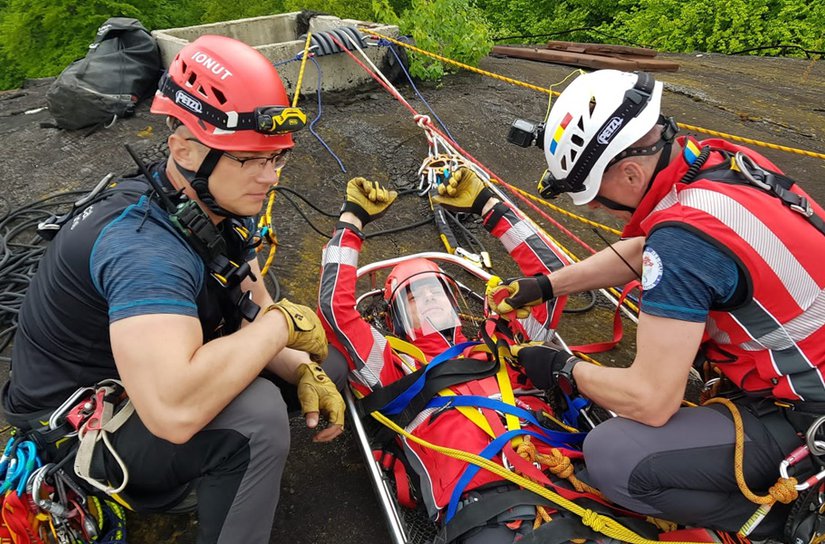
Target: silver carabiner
(63,409)
(747,167)
(797,455)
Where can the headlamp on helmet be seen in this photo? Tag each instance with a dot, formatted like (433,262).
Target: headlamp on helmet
(279,119)
(549,187)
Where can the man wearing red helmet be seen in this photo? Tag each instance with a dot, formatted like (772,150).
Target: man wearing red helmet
(422,310)
(155,283)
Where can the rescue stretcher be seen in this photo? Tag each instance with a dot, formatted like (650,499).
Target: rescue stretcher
(406,526)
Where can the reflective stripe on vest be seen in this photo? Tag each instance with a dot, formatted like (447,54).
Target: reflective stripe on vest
(781,330)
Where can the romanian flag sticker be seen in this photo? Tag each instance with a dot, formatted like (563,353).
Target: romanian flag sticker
(559,131)
(691,151)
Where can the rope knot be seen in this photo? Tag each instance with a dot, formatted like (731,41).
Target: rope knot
(593,520)
(784,490)
(527,450)
(558,463)
(422,120)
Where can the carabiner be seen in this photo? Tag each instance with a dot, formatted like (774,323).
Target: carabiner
(795,456)
(55,420)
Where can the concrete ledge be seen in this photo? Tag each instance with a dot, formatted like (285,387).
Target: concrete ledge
(276,37)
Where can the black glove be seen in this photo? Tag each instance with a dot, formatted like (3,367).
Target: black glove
(523,294)
(542,362)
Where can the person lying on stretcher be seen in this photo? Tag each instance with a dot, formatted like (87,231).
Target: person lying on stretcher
(422,307)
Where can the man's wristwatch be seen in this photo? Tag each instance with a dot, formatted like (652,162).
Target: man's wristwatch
(564,377)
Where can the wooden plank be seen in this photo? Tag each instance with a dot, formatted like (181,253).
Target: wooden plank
(649,64)
(600,48)
(586,60)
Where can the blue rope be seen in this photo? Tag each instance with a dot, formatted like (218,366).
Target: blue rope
(318,116)
(417,93)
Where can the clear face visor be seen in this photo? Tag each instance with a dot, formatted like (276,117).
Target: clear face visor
(425,305)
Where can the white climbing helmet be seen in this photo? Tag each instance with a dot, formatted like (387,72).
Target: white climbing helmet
(598,116)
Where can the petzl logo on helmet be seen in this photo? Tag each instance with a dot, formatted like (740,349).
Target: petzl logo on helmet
(609,131)
(188,102)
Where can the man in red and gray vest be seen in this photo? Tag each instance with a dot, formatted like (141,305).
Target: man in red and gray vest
(727,249)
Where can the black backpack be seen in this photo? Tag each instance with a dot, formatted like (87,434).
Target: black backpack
(122,67)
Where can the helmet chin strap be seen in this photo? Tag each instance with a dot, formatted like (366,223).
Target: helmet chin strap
(666,144)
(200,182)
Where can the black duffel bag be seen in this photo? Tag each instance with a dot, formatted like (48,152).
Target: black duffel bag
(122,67)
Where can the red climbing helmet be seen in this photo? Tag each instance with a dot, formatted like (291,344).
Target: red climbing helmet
(421,300)
(228,95)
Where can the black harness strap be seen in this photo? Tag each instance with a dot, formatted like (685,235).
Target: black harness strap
(448,373)
(478,513)
(749,173)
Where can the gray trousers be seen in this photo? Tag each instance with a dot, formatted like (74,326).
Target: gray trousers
(684,470)
(234,464)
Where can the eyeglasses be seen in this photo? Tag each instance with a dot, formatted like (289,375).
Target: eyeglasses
(278,160)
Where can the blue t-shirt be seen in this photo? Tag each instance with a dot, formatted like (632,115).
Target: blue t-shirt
(141,265)
(683,275)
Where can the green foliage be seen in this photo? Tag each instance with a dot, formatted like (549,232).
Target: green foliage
(221,10)
(384,11)
(455,29)
(41,37)
(345,9)
(724,27)
(571,20)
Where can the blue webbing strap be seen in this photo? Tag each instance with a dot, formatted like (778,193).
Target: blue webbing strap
(488,453)
(399,403)
(499,406)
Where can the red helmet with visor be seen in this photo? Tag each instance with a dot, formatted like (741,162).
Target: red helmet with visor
(421,300)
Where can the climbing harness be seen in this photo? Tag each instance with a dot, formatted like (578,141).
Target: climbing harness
(41,503)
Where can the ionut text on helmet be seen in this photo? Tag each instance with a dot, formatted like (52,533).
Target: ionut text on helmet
(231,98)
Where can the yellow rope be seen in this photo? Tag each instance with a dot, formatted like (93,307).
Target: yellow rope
(784,490)
(587,358)
(559,210)
(462,65)
(556,93)
(751,141)
(598,522)
(301,71)
(557,462)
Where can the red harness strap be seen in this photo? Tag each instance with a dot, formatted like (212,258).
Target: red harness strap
(402,481)
(618,330)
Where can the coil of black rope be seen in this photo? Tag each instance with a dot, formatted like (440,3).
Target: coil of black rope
(20,251)
(287,193)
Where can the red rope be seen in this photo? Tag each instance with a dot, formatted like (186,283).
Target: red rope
(429,126)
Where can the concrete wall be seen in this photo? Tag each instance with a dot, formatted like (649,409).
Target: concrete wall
(276,37)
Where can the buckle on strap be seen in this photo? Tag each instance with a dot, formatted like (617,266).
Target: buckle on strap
(803,207)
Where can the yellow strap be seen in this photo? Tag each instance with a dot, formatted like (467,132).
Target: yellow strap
(598,522)
(121,501)
(472,414)
(402,346)
(507,397)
